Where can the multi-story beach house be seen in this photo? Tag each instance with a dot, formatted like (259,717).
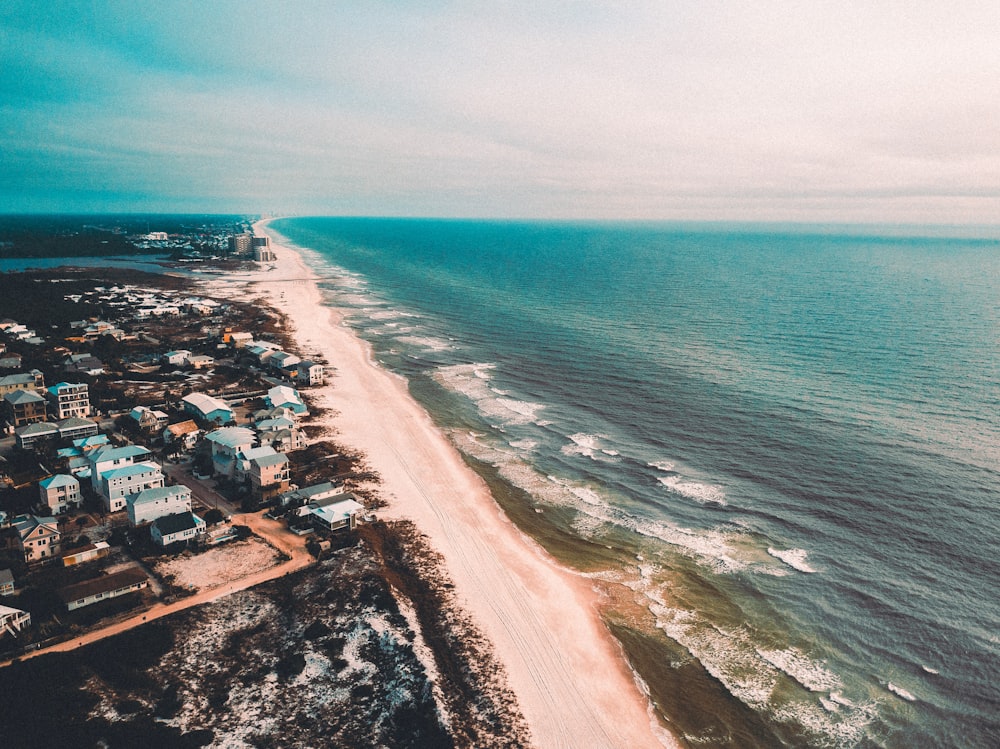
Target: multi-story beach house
(118,484)
(150,504)
(309,373)
(283,396)
(37,537)
(59,493)
(269,475)
(227,443)
(33,380)
(23,407)
(69,399)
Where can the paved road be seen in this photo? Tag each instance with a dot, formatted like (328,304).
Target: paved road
(201,492)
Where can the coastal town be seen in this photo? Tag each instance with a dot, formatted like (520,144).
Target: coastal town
(139,440)
(225,525)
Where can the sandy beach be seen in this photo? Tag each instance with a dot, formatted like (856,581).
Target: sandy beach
(570,678)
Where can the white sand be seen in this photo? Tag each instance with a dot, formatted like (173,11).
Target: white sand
(570,677)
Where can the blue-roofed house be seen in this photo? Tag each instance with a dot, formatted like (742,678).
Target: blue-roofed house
(118,484)
(59,493)
(282,396)
(227,443)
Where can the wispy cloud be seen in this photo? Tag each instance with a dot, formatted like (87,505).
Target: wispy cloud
(824,111)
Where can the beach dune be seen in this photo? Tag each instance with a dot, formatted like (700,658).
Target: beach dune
(570,678)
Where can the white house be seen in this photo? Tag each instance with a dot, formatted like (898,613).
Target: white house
(105,458)
(150,504)
(182,526)
(117,484)
(176,358)
(68,399)
(6,582)
(12,620)
(315,493)
(335,514)
(310,373)
(59,493)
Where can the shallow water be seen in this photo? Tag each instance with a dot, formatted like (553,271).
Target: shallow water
(775,449)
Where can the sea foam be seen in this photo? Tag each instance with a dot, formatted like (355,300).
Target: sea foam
(794,558)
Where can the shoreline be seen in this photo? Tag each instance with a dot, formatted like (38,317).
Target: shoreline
(570,676)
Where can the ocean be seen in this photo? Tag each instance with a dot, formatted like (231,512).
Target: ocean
(774,448)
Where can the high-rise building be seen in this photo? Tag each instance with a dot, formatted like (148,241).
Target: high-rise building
(241,244)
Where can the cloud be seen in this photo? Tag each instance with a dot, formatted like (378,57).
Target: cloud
(577,109)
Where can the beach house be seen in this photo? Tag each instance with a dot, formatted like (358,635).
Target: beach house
(129,580)
(208,408)
(269,475)
(68,399)
(227,443)
(23,407)
(13,621)
(282,396)
(310,373)
(182,526)
(59,493)
(37,537)
(158,502)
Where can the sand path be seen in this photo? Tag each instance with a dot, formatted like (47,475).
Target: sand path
(570,677)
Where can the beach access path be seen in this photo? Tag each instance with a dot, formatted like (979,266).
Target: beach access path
(569,675)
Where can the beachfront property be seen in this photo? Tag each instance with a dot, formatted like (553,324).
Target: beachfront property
(227,443)
(182,526)
(262,251)
(88,553)
(13,621)
(282,396)
(22,407)
(310,373)
(335,513)
(158,502)
(241,244)
(208,408)
(241,467)
(286,440)
(314,493)
(185,432)
(269,475)
(282,360)
(148,419)
(102,588)
(33,380)
(59,493)
(37,537)
(69,399)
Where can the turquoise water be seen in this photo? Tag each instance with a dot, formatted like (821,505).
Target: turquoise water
(776,448)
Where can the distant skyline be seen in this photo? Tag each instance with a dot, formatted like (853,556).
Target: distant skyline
(775,111)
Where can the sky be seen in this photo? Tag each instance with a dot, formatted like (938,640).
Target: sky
(834,111)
